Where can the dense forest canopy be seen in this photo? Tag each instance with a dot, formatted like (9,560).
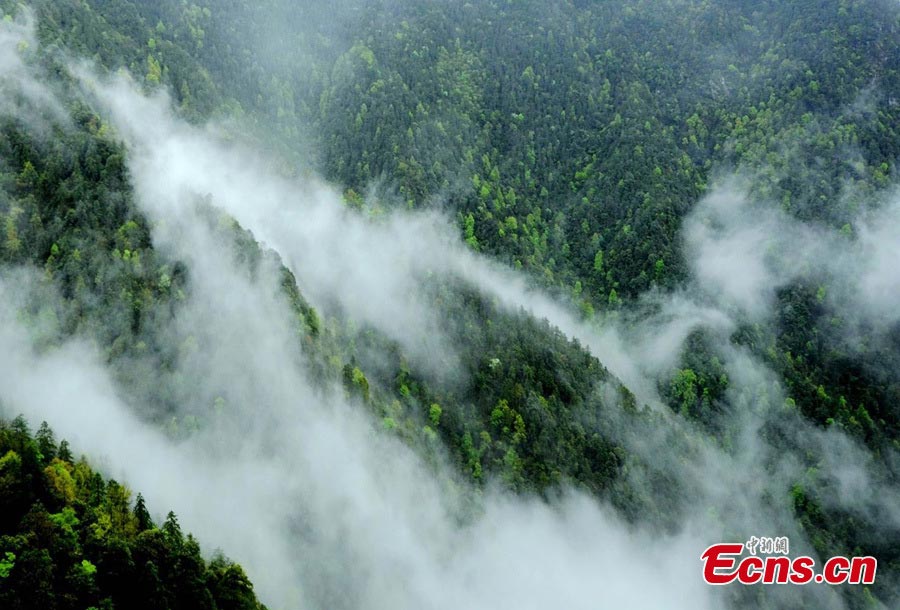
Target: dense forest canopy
(426,292)
(73,540)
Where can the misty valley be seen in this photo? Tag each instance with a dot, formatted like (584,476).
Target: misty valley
(560,304)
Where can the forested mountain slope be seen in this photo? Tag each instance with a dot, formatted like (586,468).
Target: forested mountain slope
(73,540)
(653,275)
(569,139)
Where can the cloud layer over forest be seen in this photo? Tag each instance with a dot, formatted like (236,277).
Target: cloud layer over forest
(322,507)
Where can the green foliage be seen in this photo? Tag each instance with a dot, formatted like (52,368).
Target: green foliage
(434,414)
(7,564)
(91,548)
(567,138)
